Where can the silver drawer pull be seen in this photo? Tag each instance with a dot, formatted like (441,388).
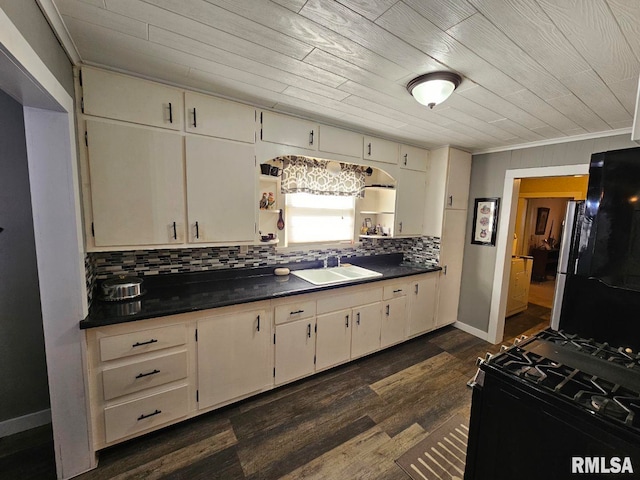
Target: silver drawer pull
(148,342)
(142,417)
(142,375)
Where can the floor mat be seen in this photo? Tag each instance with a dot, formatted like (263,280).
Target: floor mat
(440,456)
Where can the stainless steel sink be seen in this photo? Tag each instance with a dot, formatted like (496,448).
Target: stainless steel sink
(325,276)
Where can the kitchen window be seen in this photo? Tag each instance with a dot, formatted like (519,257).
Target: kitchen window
(319,218)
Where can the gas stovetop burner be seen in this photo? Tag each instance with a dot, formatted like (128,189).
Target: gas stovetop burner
(595,376)
(588,346)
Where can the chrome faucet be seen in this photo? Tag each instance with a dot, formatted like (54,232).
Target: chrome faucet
(325,261)
(338,257)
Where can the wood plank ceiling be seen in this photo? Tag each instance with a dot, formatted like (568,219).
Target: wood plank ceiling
(533,70)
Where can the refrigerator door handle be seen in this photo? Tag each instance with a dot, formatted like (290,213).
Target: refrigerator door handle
(567,237)
(556,309)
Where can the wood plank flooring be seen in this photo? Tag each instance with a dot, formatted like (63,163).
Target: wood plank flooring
(350,422)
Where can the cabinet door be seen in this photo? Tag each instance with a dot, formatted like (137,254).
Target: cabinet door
(394,320)
(288,131)
(221,118)
(221,192)
(111,95)
(295,350)
(333,340)
(451,251)
(365,334)
(234,356)
(422,303)
(137,185)
(413,158)
(380,150)
(410,203)
(458,177)
(336,140)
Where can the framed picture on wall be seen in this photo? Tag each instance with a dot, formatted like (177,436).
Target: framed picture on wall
(485,221)
(541,220)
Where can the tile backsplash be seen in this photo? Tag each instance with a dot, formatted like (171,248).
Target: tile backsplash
(101,265)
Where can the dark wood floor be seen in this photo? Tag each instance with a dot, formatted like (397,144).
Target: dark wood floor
(351,422)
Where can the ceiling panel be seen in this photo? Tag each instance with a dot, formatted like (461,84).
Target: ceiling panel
(533,70)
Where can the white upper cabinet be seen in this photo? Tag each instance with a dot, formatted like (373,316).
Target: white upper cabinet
(343,142)
(221,193)
(410,204)
(447,186)
(137,185)
(458,176)
(121,97)
(216,117)
(413,158)
(288,131)
(380,150)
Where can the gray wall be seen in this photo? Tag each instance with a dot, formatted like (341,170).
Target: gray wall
(24,387)
(27,17)
(487,180)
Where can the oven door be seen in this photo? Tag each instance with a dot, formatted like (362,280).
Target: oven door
(518,432)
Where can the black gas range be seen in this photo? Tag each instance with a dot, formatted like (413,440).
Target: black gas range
(554,406)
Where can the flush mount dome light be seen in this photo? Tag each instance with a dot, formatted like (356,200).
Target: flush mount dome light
(433,88)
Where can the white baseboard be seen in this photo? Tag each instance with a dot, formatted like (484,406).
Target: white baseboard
(26,422)
(476,332)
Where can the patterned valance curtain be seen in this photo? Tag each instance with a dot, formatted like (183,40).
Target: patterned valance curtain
(313,175)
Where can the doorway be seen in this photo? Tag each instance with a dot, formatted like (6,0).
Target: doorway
(556,177)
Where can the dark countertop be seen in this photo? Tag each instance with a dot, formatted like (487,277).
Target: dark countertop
(187,292)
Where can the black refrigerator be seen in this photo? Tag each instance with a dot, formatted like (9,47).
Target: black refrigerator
(598,282)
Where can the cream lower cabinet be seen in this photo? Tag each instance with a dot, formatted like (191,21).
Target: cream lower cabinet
(234,356)
(422,297)
(333,339)
(148,374)
(141,377)
(365,330)
(295,350)
(393,321)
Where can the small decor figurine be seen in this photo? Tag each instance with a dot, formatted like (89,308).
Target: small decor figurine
(271,201)
(264,201)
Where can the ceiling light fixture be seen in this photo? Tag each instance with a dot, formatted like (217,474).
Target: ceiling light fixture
(433,88)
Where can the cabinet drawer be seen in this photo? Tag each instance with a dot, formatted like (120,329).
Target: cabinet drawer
(394,291)
(351,299)
(138,415)
(295,311)
(140,375)
(141,342)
